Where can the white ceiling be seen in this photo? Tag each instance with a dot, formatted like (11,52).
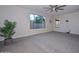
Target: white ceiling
(40,8)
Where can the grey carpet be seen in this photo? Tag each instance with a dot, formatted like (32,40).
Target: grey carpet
(52,42)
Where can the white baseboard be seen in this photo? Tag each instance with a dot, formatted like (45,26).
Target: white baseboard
(29,35)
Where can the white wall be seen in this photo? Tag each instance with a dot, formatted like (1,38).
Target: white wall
(21,16)
(73,24)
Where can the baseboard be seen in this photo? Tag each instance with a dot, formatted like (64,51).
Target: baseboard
(67,33)
(31,35)
(74,33)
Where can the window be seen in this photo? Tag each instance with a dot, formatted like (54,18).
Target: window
(37,21)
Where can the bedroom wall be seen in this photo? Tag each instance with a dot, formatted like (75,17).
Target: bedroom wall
(72,25)
(21,16)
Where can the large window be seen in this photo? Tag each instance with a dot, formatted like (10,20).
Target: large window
(37,21)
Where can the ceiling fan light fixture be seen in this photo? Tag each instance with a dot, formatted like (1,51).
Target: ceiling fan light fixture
(53,8)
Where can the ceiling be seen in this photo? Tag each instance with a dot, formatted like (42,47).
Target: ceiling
(40,8)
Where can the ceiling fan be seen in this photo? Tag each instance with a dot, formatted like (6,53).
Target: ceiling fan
(56,8)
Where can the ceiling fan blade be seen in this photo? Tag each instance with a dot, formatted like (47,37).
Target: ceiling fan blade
(62,6)
(55,5)
(51,6)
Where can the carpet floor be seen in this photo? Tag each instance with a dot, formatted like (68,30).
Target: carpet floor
(51,42)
